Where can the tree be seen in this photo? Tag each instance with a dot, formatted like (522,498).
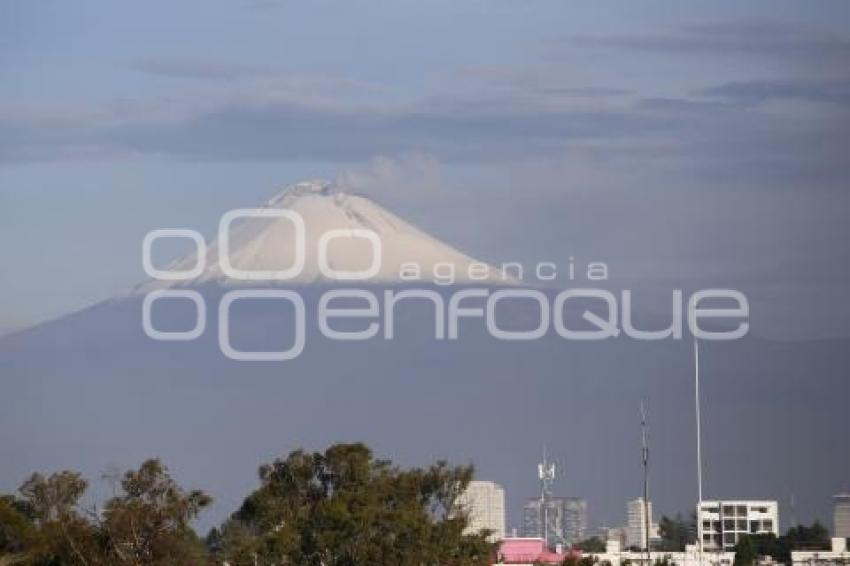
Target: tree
(592,544)
(16,528)
(574,559)
(745,552)
(802,537)
(149,523)
(676,533)
(344,507)
(60,533)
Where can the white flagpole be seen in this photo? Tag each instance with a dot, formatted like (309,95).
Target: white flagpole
(699,451)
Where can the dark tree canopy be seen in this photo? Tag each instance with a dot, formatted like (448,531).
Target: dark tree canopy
(677,532)
(345,507)
(592,544)
(800,537)
(147,523)
(342,507)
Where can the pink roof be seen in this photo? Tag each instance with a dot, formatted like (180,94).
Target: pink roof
(527,550)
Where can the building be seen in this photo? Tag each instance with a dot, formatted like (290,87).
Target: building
(575,520)
(566,518)
(485,503)
(636,535)
(530,551)
(616,534)
(837,556)
(841,516)
(616,556)
(722,523)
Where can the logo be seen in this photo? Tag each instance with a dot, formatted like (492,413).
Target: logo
(604,314)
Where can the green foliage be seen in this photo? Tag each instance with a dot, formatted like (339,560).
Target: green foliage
(56,533)
(149,523)
(578,560)
(745,552)
(50,499)
(592,544)
(16,528)
(801,537)
(677,532)
(344,507)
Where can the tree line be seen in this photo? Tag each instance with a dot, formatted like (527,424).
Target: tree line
(676,532)
(340,507)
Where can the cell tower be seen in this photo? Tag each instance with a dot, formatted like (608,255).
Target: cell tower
(645,458)
(546,474)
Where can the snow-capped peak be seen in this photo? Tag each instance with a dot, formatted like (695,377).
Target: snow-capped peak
(309,187)
(266,242)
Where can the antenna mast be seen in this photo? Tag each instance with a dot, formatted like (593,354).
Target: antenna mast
(645,456)
(546,474)
(699,451)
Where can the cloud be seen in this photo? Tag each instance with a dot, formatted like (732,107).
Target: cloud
(756,91)
(451,128)
(544,81)
(409,174)
(716,137)
(759,38)
(732,145)
(585,92)
(206,69)
(257,83)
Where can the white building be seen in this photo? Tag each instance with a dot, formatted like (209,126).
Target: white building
(616,534)
(636,523)
(838,555)
(841,517)
(529,551)
(615,555)
(722,523)
(485,503)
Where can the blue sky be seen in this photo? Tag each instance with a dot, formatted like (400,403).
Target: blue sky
(683,147)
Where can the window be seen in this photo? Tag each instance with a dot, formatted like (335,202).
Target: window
(742,525)
(741,510)
(754,526)
(728,510)
(728,524)
(767,525)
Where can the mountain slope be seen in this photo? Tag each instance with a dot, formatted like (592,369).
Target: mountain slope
(269,243)
(90,390)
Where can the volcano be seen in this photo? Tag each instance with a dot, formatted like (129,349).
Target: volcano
(90,391)
(268,243)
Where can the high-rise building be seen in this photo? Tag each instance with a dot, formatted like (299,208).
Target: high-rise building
(575,520)
(636,533)
(566,518)
(841,516)
(722,523)
(485,503)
